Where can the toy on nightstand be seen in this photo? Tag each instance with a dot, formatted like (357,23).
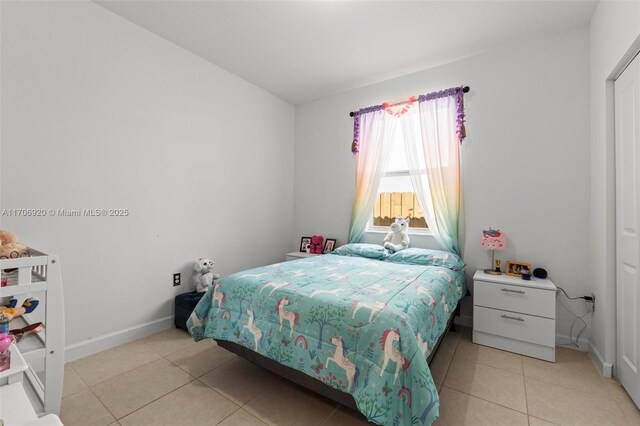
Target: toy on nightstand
(204,277)
(316,244)
(5,354)
(10,248)
(398,238)
(10,311)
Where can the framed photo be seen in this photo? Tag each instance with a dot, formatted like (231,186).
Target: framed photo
(304,243)
(329,245)
(514,268)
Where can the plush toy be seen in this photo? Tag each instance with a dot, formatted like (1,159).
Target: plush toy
(10,248)
(205,276)
(316,244)
(10,311)
(398,238)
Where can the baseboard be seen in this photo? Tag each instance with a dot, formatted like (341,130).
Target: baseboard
(110,340)
(565,342)
(464,320)
(605,368)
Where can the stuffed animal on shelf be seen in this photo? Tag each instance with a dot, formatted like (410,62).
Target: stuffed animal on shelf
(204,277)
(316,244)
(10,311)
(10,248)
(398,238)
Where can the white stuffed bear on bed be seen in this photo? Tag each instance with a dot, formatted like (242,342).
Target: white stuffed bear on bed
(398,238)
(204,274)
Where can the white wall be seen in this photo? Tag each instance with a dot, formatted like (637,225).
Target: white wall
(615,28)
(99,113)
(525,162)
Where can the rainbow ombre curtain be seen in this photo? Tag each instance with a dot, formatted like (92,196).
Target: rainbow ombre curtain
(373,132)
(432,135)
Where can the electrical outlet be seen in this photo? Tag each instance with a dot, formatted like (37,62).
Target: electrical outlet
(176,279)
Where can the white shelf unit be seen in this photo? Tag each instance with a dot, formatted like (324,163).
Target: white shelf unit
(39,357)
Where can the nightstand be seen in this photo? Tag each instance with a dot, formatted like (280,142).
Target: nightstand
(299,255)
(515,315)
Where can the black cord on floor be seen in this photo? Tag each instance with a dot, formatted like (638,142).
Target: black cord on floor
(576,319)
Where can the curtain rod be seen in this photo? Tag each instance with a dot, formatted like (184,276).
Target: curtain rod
(465,89)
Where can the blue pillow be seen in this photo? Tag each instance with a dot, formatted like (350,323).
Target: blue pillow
(370,251)
(419,256)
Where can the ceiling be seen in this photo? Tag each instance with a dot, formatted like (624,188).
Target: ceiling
(301,51)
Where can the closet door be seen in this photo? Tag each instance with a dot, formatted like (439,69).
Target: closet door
(627,128)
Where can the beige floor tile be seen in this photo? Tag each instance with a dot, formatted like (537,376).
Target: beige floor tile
(192,404)
(344,416)
(239,380)
(629,408)
(572,370)
(450,341)
(440,365)
(84,409)
(459,409)
(241,418)
(201,358)
(466,333)
(113,362)
(493,384)
(564,406)
(534,421)
(128,392)
(616,391)
(72,382)
(288,404)
(472,352)
(168,341)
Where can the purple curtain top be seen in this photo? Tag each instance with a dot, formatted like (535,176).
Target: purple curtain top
(458,92)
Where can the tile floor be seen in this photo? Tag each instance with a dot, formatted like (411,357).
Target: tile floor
(168,379)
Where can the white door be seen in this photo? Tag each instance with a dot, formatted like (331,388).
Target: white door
(627,111)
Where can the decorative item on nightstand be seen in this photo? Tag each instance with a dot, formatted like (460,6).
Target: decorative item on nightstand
(329,245)
(305,245)
(517,269)
(493,239)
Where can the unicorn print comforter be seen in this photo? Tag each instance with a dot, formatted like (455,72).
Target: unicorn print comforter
(362,326)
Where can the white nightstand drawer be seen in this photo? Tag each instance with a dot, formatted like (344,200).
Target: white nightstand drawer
(515,325)
(513,298)
(299,255)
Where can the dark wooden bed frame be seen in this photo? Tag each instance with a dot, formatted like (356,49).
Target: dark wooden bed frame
(309,382)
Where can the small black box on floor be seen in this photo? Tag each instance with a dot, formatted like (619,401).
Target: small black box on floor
(185,303)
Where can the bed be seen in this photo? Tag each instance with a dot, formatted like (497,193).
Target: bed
(355,329)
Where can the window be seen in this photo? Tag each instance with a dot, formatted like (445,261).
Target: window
(396,196)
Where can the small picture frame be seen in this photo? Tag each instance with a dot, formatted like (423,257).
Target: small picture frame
(304,243)
(514,268)
(329,246)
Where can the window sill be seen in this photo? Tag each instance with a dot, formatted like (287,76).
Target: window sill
(426,232)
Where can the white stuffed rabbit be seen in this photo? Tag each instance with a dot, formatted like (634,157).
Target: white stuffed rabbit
(204,274)
(398,238)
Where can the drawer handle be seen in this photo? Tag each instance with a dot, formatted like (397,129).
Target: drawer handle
(513,291)
(512,318)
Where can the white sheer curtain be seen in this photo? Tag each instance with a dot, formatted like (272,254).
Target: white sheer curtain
(376,133)
(433,156)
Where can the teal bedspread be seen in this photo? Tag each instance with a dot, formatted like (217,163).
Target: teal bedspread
(362,326)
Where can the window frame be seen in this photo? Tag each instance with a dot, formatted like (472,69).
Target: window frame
(385,229)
